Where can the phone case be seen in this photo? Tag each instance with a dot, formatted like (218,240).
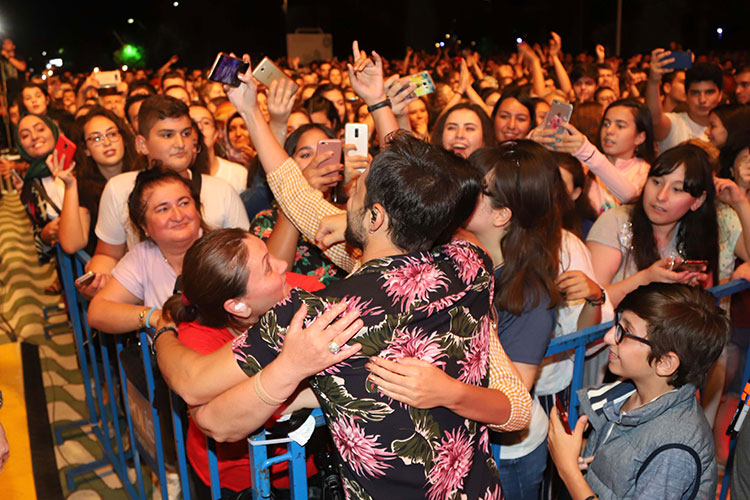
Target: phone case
(682,60)
(424,83)
(266,72)
(225,69)
(356,134)
(330,145)
(65,147)
(559,112)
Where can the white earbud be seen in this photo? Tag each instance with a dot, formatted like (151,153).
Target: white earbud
(239,306)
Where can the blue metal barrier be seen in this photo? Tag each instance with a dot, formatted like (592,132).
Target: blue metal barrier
(105,419)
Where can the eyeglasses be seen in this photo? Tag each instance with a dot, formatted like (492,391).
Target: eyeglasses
(98,139)
(621,332)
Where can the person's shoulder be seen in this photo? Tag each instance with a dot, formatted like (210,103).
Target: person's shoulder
(125,180)
(231,166)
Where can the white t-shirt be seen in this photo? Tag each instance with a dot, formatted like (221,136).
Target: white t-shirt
(144,273)
(55,189)
(682,129)
(234,173)
(222,208)
(555,375)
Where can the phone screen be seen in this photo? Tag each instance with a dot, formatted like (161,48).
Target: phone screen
(225,70)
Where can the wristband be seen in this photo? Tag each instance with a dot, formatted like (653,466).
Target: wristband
(142,318)
(592,497)
(381,104)
(600,300)
(157,334)
(148,317)
(262,394)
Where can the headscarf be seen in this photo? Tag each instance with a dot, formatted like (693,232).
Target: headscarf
(234,154)
(37,166)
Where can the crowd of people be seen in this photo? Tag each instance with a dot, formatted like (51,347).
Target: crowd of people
(411,292)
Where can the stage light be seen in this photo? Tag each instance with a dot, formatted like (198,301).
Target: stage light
(131,20)
(437,45)
(176,4)
(96,70)
(44,53)
(124,67)
(720,31)
(442,44)
(447,36)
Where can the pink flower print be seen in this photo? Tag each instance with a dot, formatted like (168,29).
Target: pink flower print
(453,459)
(237,344)
(356,302)
(466,261)
(358,449)
(266,233)
(476,361)
(442,303)
(413,281)
(414,343)
(484,439)
(495,493)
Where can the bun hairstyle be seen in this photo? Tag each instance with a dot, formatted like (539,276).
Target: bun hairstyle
(214,270)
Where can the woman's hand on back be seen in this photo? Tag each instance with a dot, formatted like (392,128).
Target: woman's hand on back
(411,381)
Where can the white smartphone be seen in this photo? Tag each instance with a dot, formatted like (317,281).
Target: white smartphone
(358,135)
(108,78)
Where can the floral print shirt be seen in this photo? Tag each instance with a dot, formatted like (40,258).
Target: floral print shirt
(309,259)
(434,306)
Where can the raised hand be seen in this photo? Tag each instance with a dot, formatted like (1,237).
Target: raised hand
(281,97)
(401,93)
(56,163)
(323,177)
(366,75)
(660,58)
(600,53)
(566,138)
(244,97)
(555,45)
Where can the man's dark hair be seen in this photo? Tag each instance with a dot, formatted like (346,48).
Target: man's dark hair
(684,320)
(159,107)
(704,72)
(584,69)
(141,84)
(132,100)
(420,188)
(173,74)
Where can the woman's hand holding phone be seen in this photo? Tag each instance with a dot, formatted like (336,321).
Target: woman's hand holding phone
(244,97)
(56,165)
(321,176)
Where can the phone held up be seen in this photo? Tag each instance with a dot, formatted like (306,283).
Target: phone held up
(562,411)
(225,69)
(67,148)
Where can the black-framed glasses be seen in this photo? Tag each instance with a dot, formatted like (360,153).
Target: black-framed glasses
(621,332)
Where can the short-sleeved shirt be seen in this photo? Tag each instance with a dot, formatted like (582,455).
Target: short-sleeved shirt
(222,208)
(234,173)
(613,229)
(432,306)
(683,129)
(308,259)
(145,273)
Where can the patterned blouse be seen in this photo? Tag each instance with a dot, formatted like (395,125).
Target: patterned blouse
(433,306)
(309,259)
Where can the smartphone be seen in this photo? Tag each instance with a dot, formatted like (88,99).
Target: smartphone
(558,113)
(692,266)
(329,145)
(682,60)
(562,410)
(356,134)
(108,79)
(225,69)
(86,279)
(16,175)
(266,72)
(424,84)
(65,147)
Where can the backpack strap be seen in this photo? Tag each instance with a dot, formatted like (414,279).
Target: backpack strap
(683,447)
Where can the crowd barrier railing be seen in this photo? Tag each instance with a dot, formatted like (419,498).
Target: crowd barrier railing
(137,418)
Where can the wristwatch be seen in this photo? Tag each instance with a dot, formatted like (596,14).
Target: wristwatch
(600,300)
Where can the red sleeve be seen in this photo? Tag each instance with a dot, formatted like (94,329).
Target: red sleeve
(203,339)
(303,281)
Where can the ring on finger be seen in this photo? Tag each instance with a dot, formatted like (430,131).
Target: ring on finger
(333,347)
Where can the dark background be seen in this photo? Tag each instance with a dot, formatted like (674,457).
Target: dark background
(90,32)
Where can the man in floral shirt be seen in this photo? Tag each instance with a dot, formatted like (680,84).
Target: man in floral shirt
(415,302)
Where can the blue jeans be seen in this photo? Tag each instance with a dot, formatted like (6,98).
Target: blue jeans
(521,478)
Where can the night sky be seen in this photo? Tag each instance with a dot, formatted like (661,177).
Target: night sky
(90,32)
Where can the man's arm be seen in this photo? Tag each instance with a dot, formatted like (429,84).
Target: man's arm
(662,125)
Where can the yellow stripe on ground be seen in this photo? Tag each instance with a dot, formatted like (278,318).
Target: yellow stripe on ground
(17,478)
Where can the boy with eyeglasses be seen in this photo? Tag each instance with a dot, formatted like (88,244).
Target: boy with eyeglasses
(650,438)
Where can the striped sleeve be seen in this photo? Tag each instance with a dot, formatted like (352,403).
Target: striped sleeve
(305,207)
(503,378)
